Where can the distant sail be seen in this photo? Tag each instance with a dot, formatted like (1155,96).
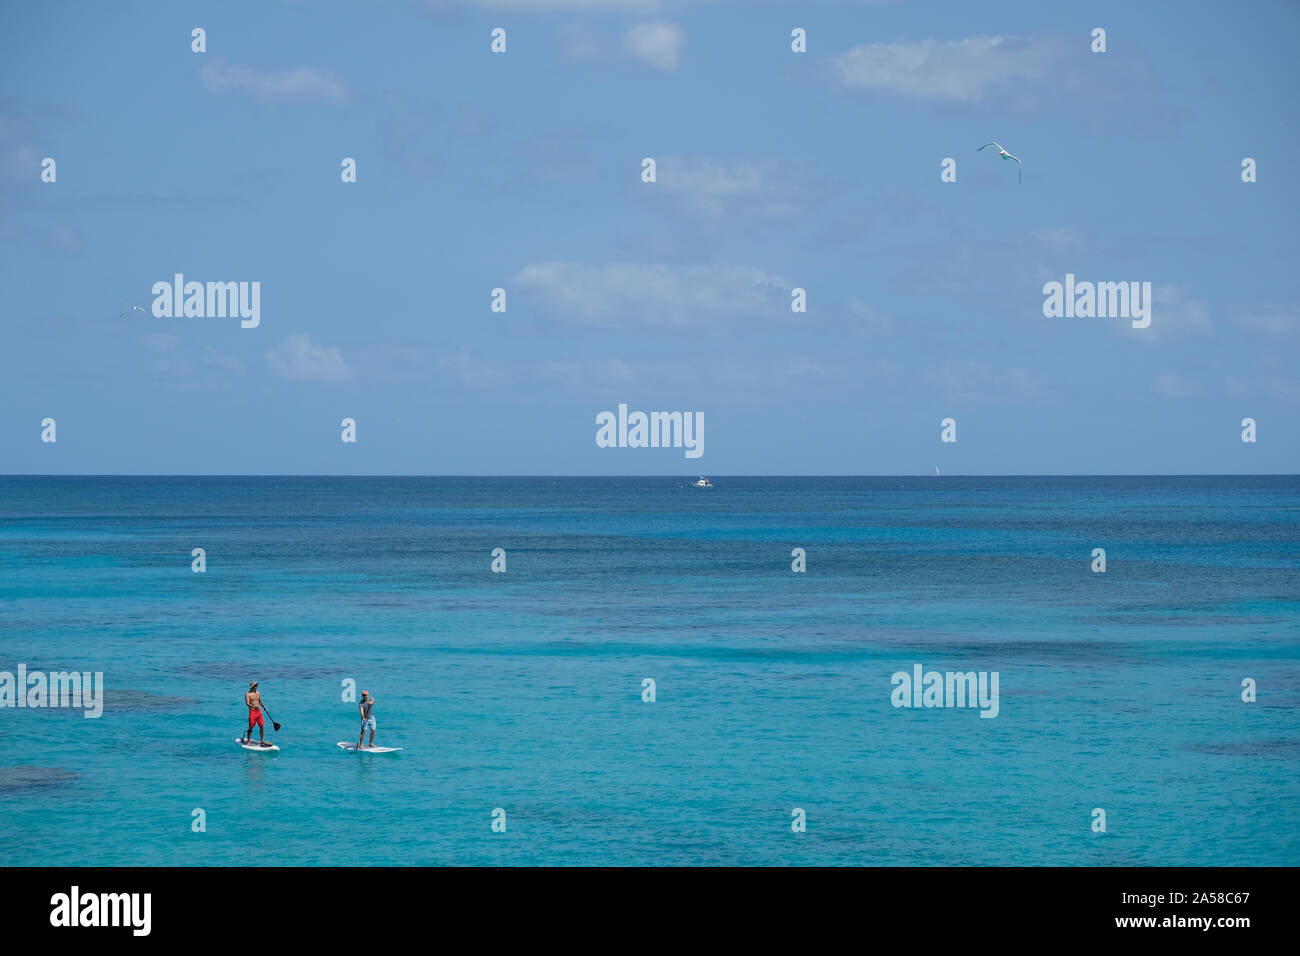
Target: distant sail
(936,471)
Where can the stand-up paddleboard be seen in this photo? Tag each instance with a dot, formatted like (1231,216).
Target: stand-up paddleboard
(348,745)
(254,746)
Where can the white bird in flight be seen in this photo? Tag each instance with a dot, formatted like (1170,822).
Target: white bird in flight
(1005,155)
(133,308)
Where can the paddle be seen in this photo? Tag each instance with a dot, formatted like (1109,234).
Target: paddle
(273,723)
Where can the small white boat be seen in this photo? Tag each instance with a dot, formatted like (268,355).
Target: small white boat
(702,482)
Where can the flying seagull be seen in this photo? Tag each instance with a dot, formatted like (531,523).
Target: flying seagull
(1005,155)
(134,308)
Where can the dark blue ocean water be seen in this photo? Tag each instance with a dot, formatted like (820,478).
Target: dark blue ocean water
(1120,691)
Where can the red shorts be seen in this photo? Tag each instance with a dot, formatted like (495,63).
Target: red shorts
(255,719)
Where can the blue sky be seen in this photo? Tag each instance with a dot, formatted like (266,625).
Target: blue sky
(522,171)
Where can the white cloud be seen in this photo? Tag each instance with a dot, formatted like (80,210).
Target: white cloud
(164,342)
(715,187)
(1172,385)
(298,359)
(175,366)
(1272,387)
(579,41)
(960,70)
(1273,320)
(1059,239)
(64,239)
(389,362)
(657,44)
(467,369)
(708,178)
(654,294)
(302,84)
(1173,308)
(561,155)
(222,360)
(975,381)
(20,165)
(868,320)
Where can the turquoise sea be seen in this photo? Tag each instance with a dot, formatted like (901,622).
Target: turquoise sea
(523,691)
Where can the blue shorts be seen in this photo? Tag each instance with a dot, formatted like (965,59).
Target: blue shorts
(368,724)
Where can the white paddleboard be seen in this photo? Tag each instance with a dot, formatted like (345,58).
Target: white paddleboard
(348,745)
(254,746)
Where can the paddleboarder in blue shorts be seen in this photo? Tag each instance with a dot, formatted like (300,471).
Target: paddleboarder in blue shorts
(367,718)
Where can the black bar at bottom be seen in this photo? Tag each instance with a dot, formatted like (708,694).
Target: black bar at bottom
(212,905)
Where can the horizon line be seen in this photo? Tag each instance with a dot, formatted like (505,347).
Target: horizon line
(652,476)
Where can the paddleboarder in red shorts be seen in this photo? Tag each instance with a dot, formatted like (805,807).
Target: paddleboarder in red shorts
(254,701)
